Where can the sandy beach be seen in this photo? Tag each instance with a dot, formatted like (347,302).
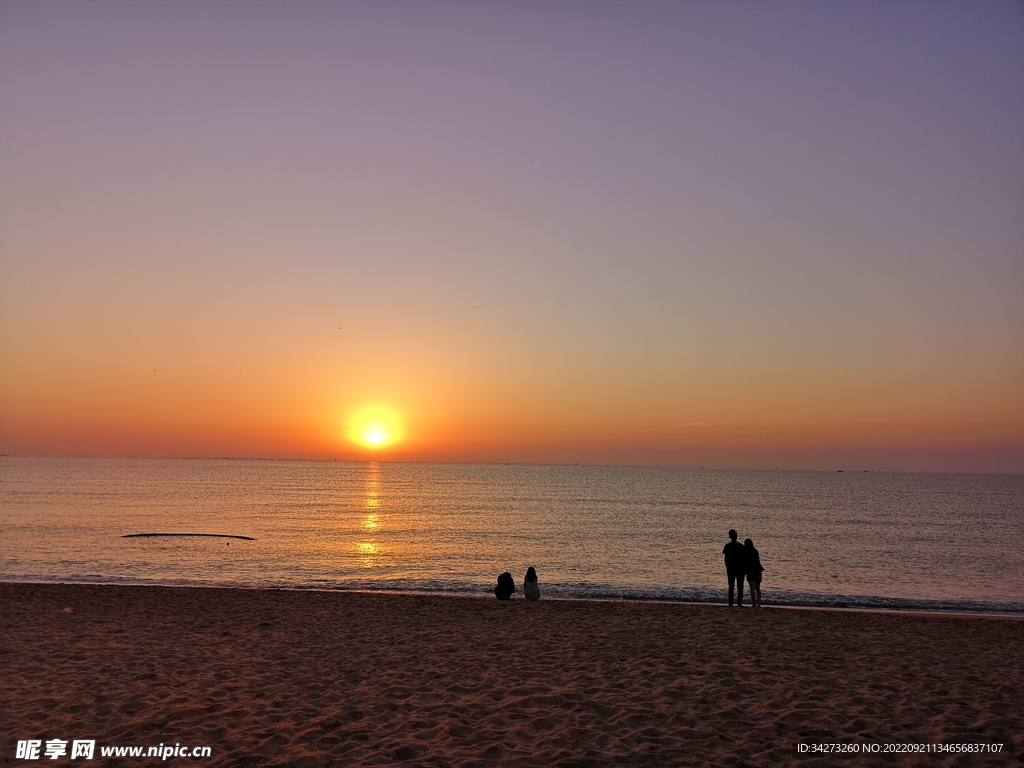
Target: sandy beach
(329,678)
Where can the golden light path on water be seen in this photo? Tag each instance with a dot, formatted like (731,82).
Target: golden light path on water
(369,550)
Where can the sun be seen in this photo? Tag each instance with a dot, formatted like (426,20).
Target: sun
(375,427)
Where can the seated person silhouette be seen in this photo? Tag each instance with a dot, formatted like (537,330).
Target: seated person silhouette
(506,586)
(531,590)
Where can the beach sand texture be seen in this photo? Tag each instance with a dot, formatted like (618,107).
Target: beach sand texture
(334,678)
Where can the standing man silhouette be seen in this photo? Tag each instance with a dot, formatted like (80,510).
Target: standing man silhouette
(735,562)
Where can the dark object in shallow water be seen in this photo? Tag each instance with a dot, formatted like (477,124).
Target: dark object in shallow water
(210,535)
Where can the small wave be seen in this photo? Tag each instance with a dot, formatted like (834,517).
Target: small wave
(579,591)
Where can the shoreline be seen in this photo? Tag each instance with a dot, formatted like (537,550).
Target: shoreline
(914,605)
(278,677)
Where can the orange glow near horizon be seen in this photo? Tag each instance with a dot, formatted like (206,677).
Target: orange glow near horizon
(710,257)
(376,428)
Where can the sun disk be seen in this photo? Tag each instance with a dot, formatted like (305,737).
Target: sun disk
(375,428)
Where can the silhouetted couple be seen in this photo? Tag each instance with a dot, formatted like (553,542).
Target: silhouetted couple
(742,560)
(507,587)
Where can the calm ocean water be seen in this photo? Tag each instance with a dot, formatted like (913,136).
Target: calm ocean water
(943,542)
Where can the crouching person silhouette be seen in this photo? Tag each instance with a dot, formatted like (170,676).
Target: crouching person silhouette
(506,587)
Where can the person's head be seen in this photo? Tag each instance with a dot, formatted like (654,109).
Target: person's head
(531,574)
(732,535)
(748,543)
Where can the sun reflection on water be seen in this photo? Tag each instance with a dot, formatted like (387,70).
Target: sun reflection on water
(369,552)
(373,485)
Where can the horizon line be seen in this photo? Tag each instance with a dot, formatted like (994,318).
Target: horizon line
(836,470)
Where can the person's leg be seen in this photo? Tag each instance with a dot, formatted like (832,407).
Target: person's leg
(739,590)
(732,588)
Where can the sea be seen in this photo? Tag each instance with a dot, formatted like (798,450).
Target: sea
(891,541)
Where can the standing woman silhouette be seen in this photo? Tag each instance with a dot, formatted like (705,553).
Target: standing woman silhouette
(754,571)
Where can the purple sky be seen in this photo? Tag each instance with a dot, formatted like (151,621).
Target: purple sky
(745,234)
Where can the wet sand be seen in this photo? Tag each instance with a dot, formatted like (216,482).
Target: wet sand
(332,678)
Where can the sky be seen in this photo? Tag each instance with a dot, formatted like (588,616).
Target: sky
(771,234)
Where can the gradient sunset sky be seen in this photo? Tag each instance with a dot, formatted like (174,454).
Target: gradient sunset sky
(730,234)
